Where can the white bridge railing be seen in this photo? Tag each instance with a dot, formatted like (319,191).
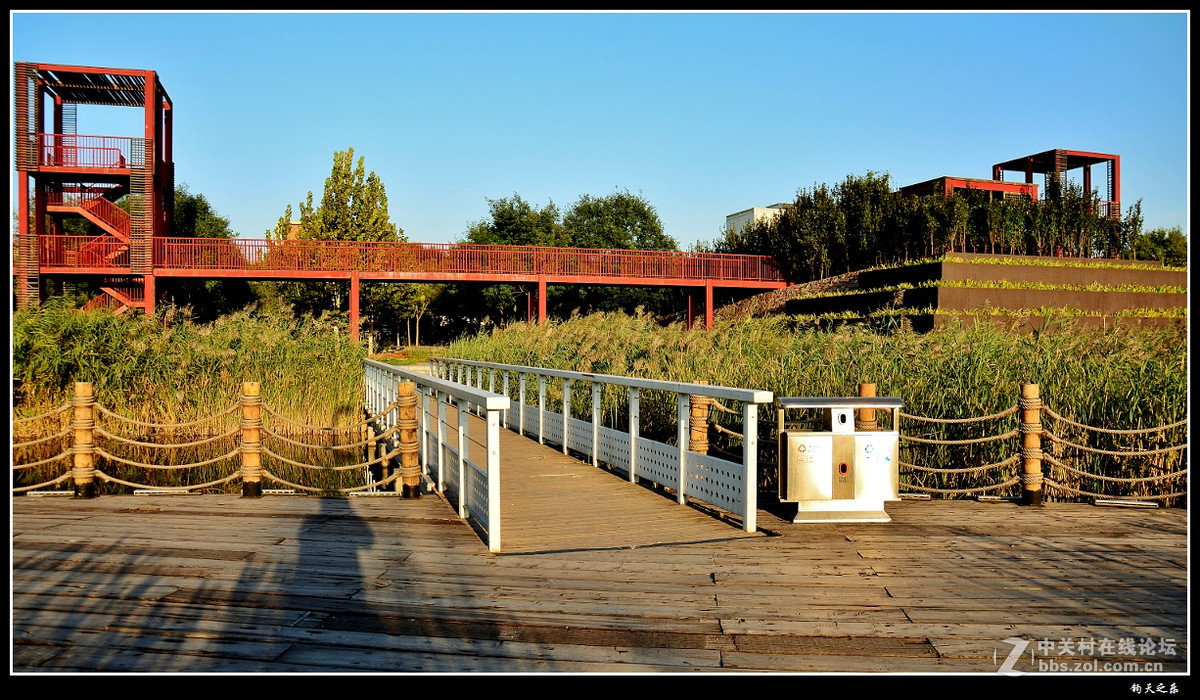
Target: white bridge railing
(728,485)
(448,464)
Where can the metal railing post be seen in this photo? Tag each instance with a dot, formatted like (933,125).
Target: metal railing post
(750,463)
(596,424)
(685,430)
(493,480)
(441,441)
(521,404)
(635,428)
(463,445)
(505,392)
(566,420)
(541,409)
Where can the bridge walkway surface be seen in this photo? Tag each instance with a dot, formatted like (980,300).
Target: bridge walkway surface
(553,502)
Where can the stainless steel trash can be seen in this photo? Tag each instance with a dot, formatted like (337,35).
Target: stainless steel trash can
(839,474)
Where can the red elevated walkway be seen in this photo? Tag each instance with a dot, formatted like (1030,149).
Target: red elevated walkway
(355,261)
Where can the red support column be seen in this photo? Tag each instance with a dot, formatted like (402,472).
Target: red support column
(354,307)
(1114,166)
(541,299)
(708,305)
(691,310)
(150,294)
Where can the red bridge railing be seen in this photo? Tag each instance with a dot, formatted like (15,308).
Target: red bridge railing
(448,259)
(456,259)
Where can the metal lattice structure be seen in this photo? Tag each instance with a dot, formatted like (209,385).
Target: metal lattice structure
(62,173)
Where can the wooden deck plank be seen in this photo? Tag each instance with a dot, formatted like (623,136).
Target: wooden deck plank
(220,584)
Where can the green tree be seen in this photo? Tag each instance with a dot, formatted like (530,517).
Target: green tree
(1167,245)
(195,217)
(511,221)
(622,221)
(354,207)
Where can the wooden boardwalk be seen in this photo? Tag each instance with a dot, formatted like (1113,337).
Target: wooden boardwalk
(596,576)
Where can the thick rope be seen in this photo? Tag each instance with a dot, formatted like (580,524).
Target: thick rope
(959,492)
(348,467)
(40,416)
(1116,479)
(1141,431)
(188,424)
(977,419)
(190,465)
(1077,492)
(966,470)
(312,489)
(53,482)
(203,441)
(1114,453)
(63,433)
(721,429)
(929,441)
(324,428)
(309,445)
(135,485)
(41,462)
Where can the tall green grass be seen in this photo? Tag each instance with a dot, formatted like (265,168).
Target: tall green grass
(167,369)
(1117,378)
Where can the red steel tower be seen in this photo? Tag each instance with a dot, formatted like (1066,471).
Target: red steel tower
(78,175)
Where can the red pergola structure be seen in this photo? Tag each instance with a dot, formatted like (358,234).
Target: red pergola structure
(82,175)
(947,185)
(1059,161)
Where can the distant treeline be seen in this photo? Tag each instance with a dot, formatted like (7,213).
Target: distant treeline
(862,223)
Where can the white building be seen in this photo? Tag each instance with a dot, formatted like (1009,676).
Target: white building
(739,221)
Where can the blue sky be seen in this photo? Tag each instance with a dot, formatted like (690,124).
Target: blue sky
(703,114)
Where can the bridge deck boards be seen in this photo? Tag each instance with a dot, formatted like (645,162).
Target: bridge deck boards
(597,575)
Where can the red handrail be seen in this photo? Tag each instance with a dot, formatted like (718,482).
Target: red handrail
(442,259)
(93,200)
(80,151)
(458,258)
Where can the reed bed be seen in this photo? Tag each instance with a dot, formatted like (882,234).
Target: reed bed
(153,372)
(1119,378)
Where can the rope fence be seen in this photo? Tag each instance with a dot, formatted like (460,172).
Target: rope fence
(1065,468)
(1064,460)
(93,449)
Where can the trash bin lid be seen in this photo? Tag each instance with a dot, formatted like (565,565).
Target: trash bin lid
(839,402)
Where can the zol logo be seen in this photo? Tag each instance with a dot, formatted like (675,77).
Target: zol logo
(1018,648)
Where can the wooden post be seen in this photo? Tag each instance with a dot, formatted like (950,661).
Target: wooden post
(251,400)
(410,463)
(1031,445)
(866,416)
(699,423)
(83,471)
